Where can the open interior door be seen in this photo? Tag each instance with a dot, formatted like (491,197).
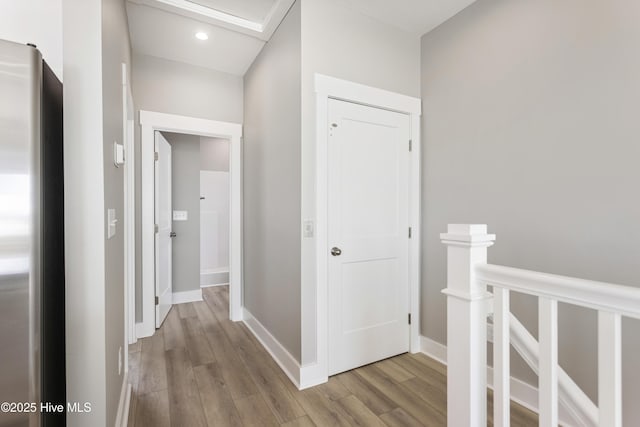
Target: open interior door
(163,220)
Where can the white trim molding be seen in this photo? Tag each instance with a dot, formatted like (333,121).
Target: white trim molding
(128,141)
(186,296)
(301,376)
(315,340)
(601,296)
(262,30)
(522,393)
(281,355)
(150,123)
(122,416)
(214,286)
(214,277)
(145,330)
(312,375)
(433,349)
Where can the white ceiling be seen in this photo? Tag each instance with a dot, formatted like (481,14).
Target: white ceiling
(238,29)
(252,10)
(257,18)
(416,16)
(167,35)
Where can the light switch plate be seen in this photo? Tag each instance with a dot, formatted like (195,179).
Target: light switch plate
(180,215)
(111,223)
(308,228)
(118,154)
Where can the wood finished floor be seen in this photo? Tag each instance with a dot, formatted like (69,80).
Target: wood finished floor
(201,369)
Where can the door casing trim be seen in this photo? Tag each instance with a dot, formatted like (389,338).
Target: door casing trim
(151,122)
(326,88)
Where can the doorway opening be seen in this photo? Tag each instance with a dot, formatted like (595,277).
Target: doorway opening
(192,213)
(154,124)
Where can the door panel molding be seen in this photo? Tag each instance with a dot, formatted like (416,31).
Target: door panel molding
(315,336)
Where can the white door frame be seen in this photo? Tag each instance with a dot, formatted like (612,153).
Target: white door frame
(332,88)
(130,218)
(129,210)
(150,123)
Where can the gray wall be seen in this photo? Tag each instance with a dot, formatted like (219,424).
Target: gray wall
(340,42)
(272,185)
(185,196)
(214,154)
(116,49)
(84,211)
(531,126)
(96,43)
(176,88)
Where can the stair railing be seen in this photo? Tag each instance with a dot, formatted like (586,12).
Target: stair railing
(577,404)
(467,309)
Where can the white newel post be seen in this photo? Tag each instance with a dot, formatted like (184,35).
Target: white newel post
(466,324)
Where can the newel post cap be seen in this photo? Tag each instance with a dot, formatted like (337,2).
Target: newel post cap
(467,235)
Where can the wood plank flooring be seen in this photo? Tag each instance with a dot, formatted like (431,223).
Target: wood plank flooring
(201,369)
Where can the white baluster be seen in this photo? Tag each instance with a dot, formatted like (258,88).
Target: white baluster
(548,375)
(501,365)
(466,325)
(609,369)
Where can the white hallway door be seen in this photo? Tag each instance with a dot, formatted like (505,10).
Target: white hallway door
(164,292)
(368,235)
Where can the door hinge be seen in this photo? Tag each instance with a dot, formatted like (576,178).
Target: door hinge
(410,144)
(155,228)
(157,301)
(409,232)
(155,156)
(409,318)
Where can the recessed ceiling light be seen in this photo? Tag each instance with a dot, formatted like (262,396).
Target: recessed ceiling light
(200,35)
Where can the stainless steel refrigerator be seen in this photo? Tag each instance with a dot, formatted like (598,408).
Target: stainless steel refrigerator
(32,332)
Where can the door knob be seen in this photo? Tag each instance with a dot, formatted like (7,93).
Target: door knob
(172,234)
(336,251)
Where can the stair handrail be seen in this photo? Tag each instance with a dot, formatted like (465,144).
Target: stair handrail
(468,275)
(601,296)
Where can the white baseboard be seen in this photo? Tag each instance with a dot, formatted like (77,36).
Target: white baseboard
(122,417)
(312,375)
(132,338)
(522,393)
(213,286)
(144,330)
(219,276)
(283,358)
(187,296)
(433,349)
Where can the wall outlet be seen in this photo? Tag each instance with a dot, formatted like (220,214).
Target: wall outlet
(120,361)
